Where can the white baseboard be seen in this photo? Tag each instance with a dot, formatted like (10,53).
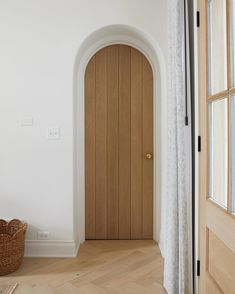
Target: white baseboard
(51,248)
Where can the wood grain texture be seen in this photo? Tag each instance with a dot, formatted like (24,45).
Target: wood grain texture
(101,144)
(124,142)
(221,264)
(112,141)
(90,150)
(221,223)
(148,148)
(211,286)
(119,132)
(213,218)
(108,267)
(136,144)
(203,91)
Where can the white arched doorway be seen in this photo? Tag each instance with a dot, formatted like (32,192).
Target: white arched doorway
(119,34)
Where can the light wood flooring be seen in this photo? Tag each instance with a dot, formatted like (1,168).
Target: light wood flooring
(101,267)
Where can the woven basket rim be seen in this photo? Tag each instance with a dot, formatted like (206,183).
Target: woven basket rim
(23,227)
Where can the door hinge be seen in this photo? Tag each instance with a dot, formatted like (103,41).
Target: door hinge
(199,144)
(198,268)
(198,19)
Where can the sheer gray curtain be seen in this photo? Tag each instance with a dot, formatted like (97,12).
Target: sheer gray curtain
(177,235)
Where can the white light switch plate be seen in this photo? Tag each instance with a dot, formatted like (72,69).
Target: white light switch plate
(26,121)
(53,133)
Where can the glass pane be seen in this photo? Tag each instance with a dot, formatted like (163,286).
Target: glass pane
(218,126)
(217,47)
(232,9)
(233,154)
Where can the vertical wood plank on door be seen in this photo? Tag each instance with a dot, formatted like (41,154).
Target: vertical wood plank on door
(119,132)
(136,145)
(101,146)
(112,142)
(90,149)
(147,148)
(124,142)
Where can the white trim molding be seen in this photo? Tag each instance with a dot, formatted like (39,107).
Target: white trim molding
(119,34)
(51,248)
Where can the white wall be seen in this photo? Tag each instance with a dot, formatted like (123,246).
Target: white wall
(39,42)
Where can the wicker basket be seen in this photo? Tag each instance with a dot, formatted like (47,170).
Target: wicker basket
(12,236)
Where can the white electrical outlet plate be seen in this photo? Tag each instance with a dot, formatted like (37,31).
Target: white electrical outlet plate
(53,133)
(42,235)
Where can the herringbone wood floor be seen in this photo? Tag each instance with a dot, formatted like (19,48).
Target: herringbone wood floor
(101,267)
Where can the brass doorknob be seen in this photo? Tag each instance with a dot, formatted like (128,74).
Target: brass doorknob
(148,156)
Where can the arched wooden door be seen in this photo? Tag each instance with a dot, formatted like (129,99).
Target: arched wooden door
(118,145)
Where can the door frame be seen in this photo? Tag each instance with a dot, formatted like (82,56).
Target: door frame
(127,35)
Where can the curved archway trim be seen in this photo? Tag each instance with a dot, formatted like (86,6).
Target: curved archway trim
(134,37)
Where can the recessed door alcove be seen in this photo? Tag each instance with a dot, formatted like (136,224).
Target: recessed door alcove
(143,42)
